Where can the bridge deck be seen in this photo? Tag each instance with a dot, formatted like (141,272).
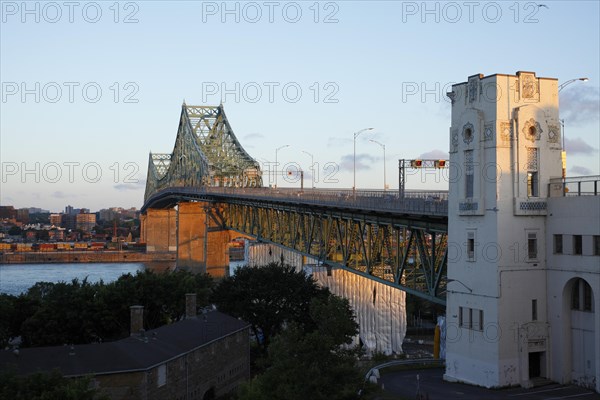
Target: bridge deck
(430,203)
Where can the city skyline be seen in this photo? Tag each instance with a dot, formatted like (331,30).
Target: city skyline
(87,92)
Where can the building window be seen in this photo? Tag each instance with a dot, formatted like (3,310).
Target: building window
(596,244)
(577,244)
(470,318)
(161,379)
(471,246)
(582,298)
(469,174)
(470,323)
(532,172)
(558,244)
(532,245)
(532,184)
(534,310)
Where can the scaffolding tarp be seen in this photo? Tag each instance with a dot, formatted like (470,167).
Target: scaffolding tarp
(380,309)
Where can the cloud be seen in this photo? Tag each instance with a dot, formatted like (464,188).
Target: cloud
(583,171)
(435,155)
(578,146)
(61,195)
(580,104)
(139,185)
(253,136)
(363,162)
(337,141)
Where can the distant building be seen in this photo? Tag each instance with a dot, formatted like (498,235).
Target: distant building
(37,210)
(69,210)
(23,215)
(56,235)
(201,357)
(85,221)
(523,278)
(68,221)
(8,212)
(56,219)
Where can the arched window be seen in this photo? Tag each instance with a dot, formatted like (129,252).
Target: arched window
(581,296)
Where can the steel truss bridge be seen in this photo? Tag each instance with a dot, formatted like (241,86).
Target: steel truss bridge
(399,241)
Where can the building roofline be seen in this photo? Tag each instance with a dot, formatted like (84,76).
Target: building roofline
(516,75)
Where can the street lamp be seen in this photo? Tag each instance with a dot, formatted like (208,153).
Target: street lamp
(383,147)
(312,163)
(563,153)
(456,280)
(354,159)
(563,85)
(276,164)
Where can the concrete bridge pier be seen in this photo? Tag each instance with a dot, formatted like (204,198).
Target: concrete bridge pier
(158,230)
(201,239)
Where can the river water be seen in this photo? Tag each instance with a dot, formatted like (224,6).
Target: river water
(17,278)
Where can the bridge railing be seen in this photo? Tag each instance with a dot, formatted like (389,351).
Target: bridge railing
(414,202)
(575,186)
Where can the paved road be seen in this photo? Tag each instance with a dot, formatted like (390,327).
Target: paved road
(404,383)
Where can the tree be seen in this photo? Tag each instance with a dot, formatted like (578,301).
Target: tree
(267,297)
(314,365)
(81,312)
(46,386)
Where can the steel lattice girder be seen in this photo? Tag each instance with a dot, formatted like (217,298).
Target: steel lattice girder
(393,251)
(206,153)
(230,164)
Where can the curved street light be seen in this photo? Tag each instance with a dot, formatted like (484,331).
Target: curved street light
(563,85)
(276,163)
(383,147)
(354,159)
(562,123)
(312,164)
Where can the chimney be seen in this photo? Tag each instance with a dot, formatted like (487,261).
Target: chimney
(190,305)
(137,319)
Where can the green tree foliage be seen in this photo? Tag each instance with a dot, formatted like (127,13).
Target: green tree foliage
(46,386)
(82,312)
(312,364)
(267,297)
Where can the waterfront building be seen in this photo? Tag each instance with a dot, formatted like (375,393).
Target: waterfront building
(523,259)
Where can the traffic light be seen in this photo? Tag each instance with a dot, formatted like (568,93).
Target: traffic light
(440,163)
(416,163)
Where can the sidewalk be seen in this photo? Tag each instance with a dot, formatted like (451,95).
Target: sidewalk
(430,383)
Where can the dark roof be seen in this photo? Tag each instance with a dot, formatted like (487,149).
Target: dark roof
(136,353)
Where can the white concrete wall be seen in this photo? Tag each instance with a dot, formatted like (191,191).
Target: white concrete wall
(573,216)
(501,280)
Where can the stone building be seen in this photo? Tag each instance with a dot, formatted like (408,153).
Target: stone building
(524,253)
(202,357)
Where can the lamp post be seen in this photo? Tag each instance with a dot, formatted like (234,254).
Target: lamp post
(462,283)
(312,163)
(277,164)
(354,158)
(563,85)
(562,123)
(383,147)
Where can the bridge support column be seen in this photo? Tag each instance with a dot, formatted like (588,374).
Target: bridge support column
(201,241)
(159,230)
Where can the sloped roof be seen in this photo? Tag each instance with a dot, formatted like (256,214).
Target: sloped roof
(136,353)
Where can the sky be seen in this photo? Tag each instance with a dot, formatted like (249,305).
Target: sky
(90,88)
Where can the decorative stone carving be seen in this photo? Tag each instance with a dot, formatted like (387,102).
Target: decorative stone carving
(473,83)
(529,87)
(553,133)
(505,131)
(488,132)
(454,140)
(532,130)
(468,133)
